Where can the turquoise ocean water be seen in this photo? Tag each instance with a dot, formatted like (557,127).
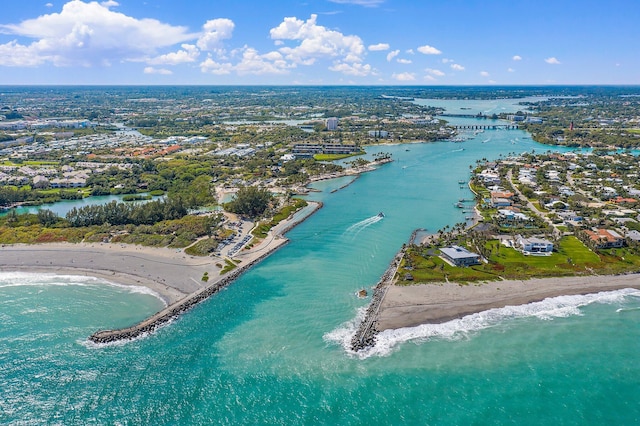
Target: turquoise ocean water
(272,348)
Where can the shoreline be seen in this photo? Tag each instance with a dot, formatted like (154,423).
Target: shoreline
(413,305)
(173,275)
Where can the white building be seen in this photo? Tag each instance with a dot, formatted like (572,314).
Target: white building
(535,246)
(332,123)
(459,256)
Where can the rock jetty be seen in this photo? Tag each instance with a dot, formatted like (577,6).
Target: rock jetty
(173,311)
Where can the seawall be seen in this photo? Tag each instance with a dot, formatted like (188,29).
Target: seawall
(173,311)
(365,335)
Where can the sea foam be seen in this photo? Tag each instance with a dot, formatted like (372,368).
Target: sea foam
(22,279)
(463,328)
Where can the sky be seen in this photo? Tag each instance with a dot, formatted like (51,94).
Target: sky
(319,42)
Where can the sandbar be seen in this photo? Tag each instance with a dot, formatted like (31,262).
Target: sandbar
(409,306)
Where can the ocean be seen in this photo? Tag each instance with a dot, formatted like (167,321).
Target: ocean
(273,347)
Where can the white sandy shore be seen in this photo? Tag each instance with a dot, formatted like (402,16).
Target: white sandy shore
(409,306)
(171,273)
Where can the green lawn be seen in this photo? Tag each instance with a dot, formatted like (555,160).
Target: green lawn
(333,157)
(572,257)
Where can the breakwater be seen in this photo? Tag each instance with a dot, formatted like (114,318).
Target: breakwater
(365,336)
(176,309)
(173,311)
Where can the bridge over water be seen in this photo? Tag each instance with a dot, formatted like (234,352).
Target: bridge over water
(485,127)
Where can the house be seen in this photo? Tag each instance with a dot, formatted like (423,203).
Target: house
(604,238)
(511,215)
(634,235)
(534,246)
(500,202)
(459,256)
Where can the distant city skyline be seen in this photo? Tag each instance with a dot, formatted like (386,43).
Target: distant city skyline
(320,42)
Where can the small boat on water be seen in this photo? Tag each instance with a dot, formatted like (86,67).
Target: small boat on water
(380,214)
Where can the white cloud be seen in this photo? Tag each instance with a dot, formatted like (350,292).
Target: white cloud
(110,3)
(435,72)
(316,42)
(160,71)
(49,5)
(379,46)
(392,55)
(428,50)
(213,67)
(214,31)
(410,52)
(251,62)
(510,70)
(517,58)
(188,53)
(404,76)
(269,63)
(429,77)
(367,3)
(552,60)
(87,34)
(484,74)
(359,70)
(13,54)
(457,67)
(446,60)
(404,61)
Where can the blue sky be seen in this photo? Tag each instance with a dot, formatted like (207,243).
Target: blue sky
(365,42)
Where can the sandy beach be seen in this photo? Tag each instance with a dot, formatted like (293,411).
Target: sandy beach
(409,306)
(171,273)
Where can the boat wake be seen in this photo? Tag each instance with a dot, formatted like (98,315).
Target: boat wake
(462,328)
(356,228)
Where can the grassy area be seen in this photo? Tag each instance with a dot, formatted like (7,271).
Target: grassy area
(228,266)
(571,258)
(333,157)
(264,227)
(203,247)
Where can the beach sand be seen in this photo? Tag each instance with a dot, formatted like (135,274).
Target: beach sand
(171,273)
(409,306)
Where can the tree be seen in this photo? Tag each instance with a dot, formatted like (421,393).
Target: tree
(250,201)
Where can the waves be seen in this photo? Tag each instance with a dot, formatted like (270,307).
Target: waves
(356,228)
(462,328)
(31,279)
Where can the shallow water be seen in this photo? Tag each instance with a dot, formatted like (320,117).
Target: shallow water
(270,349)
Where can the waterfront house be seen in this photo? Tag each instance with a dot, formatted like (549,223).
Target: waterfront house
(534,246)
(459,256)
(604,238)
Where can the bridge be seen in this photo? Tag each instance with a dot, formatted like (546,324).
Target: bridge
(485,126)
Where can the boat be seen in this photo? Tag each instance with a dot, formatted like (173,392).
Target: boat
(380,214)
(459,205)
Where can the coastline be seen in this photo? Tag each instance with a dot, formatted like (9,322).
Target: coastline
(173,275)
(410,306)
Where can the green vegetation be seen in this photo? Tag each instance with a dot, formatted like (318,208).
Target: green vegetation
(250,201)
(136,197)
(264,227)
(203,247)
(229,266)
(333,157)
(571,258)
